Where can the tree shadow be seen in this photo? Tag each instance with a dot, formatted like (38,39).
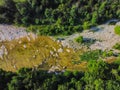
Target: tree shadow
(95,29)
(88,41)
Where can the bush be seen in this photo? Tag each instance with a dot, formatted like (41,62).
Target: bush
(91,55)
(59,16)
(79,39)
(86,25)
(117,30)
(78,28)
(40,29)
(117,46)
(53,29)
(95,55)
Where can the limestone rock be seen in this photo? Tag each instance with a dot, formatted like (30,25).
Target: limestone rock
(60,50)
(3,51)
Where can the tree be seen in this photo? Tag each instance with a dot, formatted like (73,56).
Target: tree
(96,72)
(99,84)
(62,87)
(112,85)
(5,78)
(8,11)
(94,18)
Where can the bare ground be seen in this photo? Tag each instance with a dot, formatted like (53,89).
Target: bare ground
(104,37)
(10,32)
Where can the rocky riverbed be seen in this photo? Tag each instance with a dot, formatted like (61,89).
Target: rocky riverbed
(10,32)
(103,36)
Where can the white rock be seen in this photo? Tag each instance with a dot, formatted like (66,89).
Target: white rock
(60,50)
(56,55)
(33,36)
(34,56)
(3,51)
(54,49)
(118,23)
(24,46)
(68,50)
(37,50)
(51,52)
(20,42)
(28,38)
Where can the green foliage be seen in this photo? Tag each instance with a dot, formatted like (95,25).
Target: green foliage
(78,28)
(1,2)
(86,25)
(40,29)
(95,55)
(55,29)
(117,30)
(5,77)
(61,16)
(79,39)
(94,18)
(7,11)
(91,55)
(117,46)
(99,76)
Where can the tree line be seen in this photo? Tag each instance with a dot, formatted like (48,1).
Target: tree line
(52,17)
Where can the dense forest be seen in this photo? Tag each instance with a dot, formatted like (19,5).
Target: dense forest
(51,17)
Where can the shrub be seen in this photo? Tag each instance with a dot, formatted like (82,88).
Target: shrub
(95,55)
(117,30)
(79,39)
(78,28)
(117,46)
(86,25)
(40,29)
(53,29)
(91,55)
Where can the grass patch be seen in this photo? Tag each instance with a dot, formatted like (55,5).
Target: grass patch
(79,39)
(1,2)
(36,53)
